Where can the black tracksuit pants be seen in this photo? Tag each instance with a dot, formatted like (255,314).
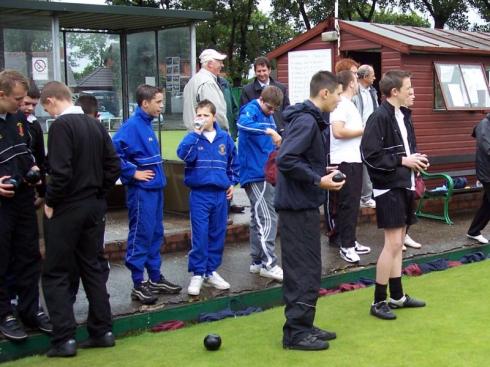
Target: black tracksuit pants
(482,216)
(302,266)
(20,258)
(72,236)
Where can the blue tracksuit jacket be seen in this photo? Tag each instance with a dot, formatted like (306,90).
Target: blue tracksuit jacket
(254,146)
(211,168)
(138,149)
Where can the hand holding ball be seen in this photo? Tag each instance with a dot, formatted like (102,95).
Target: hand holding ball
(338,177)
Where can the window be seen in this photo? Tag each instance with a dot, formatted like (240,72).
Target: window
(461,87)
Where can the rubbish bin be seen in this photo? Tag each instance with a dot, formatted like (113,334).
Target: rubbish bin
(176,193)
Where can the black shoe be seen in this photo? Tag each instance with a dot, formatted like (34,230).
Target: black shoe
(406,302)
(163,286)
(323,334)
(143,294)
(382,310)
(309,342)
(67,349)
(105,341)
(11,329)
(43,323)
(237,209)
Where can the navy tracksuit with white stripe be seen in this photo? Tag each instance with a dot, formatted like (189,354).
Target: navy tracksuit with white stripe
(254,147)
(211,168)
(138,148)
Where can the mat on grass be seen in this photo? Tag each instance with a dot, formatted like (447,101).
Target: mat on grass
(453,330)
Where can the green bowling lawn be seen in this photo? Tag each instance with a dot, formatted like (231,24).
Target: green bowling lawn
(453,330)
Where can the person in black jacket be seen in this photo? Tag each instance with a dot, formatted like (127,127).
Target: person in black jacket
(83,168)
(20,258)
(262,67)
(482,134)
(301,183)
(389,151)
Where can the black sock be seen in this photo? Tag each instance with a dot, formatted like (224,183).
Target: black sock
(380,292)
(396,289)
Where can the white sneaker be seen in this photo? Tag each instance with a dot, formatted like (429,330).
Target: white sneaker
(215,280)
(371,203)
(479,238)
(255,268)
(195,284)
(274,273)
(361,249)
(411,243)
(349,254)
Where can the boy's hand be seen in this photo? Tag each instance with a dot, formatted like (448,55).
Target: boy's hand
(276,138)
(417,162)
(229,193)
(6,190)
(144,175)
(48,211)
(326,182)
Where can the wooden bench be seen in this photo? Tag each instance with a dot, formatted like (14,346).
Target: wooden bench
(446,177)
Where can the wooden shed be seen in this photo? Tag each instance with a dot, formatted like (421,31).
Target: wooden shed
(449,73)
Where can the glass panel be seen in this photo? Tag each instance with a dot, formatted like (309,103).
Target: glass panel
(141,63)
(476,85)
(438,98)
(174,55)
(94,68)
(26,46)
(452,86)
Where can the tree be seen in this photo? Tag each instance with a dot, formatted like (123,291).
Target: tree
(444,12)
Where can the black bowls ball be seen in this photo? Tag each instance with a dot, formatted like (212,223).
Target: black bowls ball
(212,342)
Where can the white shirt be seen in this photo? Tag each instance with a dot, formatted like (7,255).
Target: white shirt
(210,135)
(345,150)
(3,116)
(73,110)
(367,103)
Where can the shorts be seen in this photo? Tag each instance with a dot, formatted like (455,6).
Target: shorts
(395,208)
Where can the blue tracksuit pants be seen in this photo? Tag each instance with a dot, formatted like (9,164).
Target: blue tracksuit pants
(145,210)
(209,212)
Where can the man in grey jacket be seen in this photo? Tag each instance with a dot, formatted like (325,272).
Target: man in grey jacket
(204,85)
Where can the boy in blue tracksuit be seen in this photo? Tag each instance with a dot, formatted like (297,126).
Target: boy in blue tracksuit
(257,137)
(142,172)
(211,172)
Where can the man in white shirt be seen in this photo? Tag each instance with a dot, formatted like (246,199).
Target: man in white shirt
(366,102)
(345,139)
(203,86)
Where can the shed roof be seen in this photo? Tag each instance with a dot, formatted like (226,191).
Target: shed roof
(100,77)
(405,39)
(98,17)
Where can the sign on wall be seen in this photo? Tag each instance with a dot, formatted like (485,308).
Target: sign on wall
(40,68)
(302,65)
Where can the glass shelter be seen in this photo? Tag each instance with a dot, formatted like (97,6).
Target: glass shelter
(101,50)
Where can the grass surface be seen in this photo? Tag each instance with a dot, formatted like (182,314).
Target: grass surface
(453,330)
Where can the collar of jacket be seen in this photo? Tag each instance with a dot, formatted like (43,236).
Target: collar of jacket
(219,131)
(257,85)
(143,115)
(316,113)
(406,111)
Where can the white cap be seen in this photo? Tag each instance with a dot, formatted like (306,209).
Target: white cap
(210,54)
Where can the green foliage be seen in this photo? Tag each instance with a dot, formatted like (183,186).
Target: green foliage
(386,16)
(452,13)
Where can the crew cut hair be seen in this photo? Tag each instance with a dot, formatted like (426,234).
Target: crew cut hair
(323,80)
(56,90)
(345,77)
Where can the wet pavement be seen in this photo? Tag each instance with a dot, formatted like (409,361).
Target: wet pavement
(435,236)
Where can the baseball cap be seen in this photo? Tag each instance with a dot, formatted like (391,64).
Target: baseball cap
(210,54)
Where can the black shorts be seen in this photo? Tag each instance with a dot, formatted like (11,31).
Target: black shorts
(395,209)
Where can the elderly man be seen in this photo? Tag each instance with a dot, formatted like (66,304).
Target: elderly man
(203,86)
(366,102)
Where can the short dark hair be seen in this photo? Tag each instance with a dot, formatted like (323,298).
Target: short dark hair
(262,60)
(146,92)
(206,103)
(273,95)
(33,91)
(323,80)
(392,79)
(89,104)
(56,90)
(345,77)
(9,78)
(345,64)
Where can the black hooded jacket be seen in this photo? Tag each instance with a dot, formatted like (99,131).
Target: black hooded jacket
(482,134)
(302,159)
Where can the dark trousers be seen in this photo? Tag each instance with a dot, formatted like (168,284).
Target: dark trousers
(20,258)
(72,236)
(302,265)
(482,216)
(347,210)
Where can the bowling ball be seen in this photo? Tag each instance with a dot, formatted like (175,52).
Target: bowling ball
(338,177)
(32,177)
(12,181)
(212,342)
